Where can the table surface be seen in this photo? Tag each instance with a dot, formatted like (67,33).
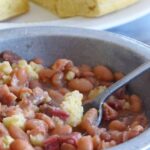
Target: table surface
(138,29)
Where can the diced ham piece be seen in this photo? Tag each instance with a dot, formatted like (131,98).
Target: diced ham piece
(52,143)
(10,56)
(19,78)
(109,112)
(54,111)
(39,96)
(60,64)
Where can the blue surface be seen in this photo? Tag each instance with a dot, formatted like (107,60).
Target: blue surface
(139,29)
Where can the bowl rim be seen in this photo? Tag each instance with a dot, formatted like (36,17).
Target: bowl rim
(138,143)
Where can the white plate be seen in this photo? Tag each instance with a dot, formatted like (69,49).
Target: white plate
(40,16)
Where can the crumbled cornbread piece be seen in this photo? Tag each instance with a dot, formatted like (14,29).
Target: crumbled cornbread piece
(16,120)
(73,105)
(96,91)
(7,140)
(37,140)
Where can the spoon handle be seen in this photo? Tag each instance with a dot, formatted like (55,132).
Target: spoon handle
(132,75)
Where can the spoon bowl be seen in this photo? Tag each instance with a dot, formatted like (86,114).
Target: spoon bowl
(103,97)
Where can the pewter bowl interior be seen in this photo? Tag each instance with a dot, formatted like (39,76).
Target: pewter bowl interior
(88,47)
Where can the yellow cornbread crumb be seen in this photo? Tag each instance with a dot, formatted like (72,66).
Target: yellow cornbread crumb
(73,105)
(7,140)
(37,140)
(5,67)
(70,75)
(96,91)
(31,68)
(16,120)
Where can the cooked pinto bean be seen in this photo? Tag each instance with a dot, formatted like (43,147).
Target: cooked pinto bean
(106,136)
(116,136)
(46,74)
(105,145)
(140,120)
(60,64)
(84,68)
(88,121)
(62,130)
(136,105)
(66,146)
(46,119)
(109,113)
(85,143)
(19,144)
(19,78)
(103,73)
(83,85)
(93,81)
(118,75)
(18,133)
(36,124)
(96,141)
(117,125)
(6,97)
(55,95)
(34,83)
(87,74)
(63,91)
(57,79)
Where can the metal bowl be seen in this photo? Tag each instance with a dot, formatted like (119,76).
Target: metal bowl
(88,47)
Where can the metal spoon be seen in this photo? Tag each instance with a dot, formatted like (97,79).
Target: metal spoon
(102,98)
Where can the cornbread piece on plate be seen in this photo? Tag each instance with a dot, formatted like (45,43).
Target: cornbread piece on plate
(88,8)
(11,8)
